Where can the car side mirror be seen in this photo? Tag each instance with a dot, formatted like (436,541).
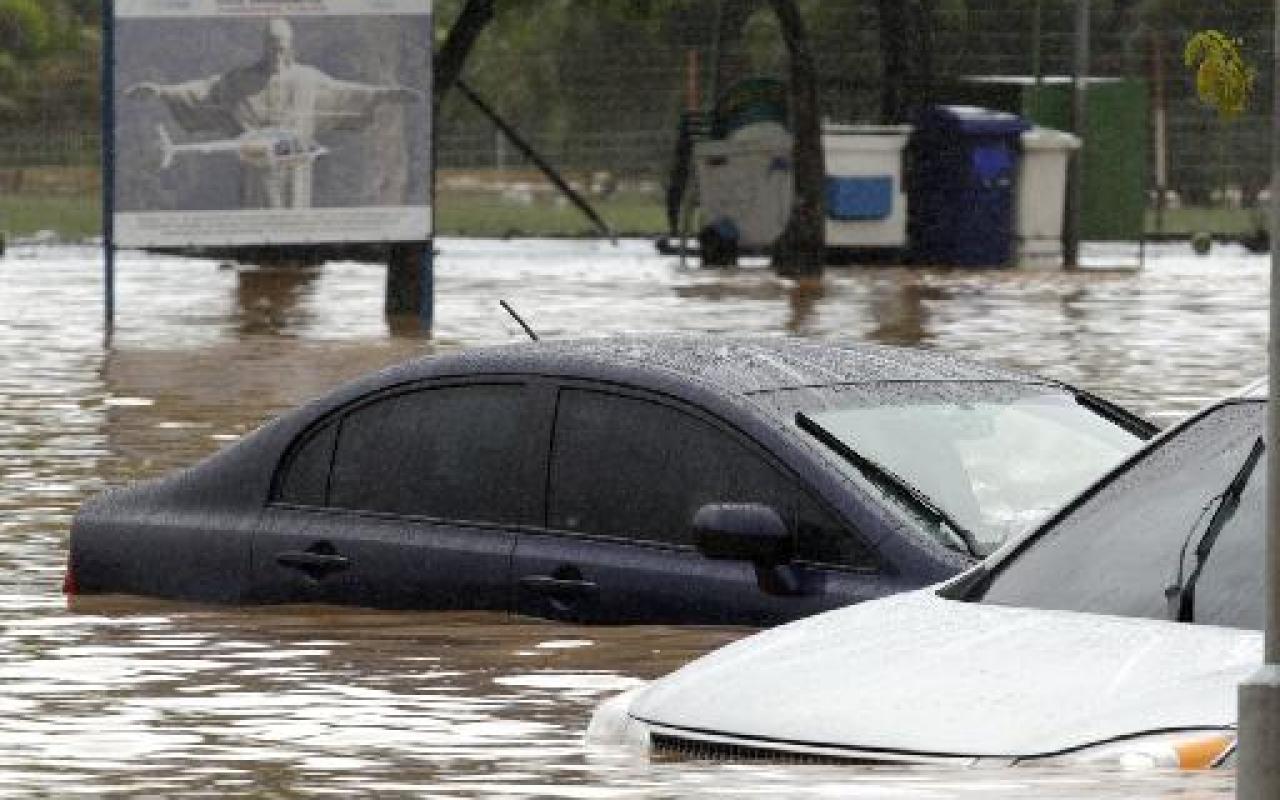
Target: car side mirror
(742,532)
(751,532)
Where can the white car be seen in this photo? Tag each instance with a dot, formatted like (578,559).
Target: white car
(1070,643)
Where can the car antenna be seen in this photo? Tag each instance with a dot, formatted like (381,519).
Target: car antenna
(517,318)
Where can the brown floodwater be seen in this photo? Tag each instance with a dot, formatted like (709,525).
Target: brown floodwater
(131,697)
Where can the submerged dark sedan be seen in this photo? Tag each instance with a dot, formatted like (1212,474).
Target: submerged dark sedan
(664,480)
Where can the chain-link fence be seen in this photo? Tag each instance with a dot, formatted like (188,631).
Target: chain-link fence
(49,148)
(598,88)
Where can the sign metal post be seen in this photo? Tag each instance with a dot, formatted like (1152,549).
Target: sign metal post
(108,167)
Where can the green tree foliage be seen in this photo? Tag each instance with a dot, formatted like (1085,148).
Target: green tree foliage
(572,71)
(1223,79)
(49,52)
(554,67)
(25,28)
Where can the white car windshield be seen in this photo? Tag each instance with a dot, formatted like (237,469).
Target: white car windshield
(994,458)
(1167,522)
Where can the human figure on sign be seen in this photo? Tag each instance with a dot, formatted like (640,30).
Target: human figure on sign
(268,113)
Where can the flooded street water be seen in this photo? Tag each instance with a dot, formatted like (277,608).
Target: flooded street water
(125,697)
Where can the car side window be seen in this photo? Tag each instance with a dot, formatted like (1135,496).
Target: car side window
(819,538)
(631,467)
(456,452)
(305,481)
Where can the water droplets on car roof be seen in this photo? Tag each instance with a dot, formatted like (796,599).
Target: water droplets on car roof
(745,365)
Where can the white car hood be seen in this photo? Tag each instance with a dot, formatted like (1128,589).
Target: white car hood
(919,674)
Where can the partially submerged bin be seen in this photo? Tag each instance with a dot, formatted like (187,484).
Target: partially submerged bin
(865,197)
(962,171)
(744,185)
(1042,196)
(1116,147)
(744,171)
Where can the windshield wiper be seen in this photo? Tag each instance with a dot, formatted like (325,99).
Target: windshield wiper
(887,476)
(1180,594)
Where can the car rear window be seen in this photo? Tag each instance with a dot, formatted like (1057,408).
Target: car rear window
(458,452)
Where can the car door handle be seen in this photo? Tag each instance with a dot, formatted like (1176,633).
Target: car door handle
(317,565)
(559,587)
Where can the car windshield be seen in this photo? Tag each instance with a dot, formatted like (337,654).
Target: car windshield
(992,457)
(1139,536)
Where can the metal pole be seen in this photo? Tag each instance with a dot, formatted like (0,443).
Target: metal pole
(1258,776)
(693,81)
(1079,120)
(716,52)
(427,263)
(108,166)
(541,163)
(427,287)
(1037,58)
(1161,124)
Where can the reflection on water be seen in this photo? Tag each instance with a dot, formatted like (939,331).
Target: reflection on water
(148,698)
(272,300)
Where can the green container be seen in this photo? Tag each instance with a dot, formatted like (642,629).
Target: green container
(1116,140)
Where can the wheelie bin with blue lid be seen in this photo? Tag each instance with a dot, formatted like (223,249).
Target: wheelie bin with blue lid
(961,173)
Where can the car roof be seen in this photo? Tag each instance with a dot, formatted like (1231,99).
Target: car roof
(733,365)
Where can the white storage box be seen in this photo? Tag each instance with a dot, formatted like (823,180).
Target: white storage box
(1041,197)
(747,181)
(866,204)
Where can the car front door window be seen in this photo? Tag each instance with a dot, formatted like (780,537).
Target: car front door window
(632,467)
(628,471)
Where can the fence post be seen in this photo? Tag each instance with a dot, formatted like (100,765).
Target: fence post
(1079,120)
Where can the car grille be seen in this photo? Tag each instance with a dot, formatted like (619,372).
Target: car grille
(666,744)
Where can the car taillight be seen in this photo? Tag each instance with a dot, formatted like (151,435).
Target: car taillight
(69,580)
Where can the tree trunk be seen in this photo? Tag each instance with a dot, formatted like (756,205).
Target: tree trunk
(894,44)
(906,58)
(732,63)
(799,251)
(922,92)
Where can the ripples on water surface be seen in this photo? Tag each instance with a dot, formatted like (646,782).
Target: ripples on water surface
(132,697)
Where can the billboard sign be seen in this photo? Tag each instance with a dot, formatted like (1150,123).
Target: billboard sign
(260,122)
